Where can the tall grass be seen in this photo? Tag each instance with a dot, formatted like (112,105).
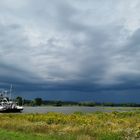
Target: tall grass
(76,126)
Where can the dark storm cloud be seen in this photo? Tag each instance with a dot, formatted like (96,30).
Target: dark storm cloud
(70,48)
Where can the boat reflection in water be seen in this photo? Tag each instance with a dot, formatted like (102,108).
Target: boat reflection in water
(6,104)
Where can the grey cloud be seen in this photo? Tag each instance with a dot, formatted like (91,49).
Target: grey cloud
(69,46)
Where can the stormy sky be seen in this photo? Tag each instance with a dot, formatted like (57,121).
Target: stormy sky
(80,50)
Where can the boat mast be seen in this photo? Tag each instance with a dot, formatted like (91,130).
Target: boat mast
(11,91)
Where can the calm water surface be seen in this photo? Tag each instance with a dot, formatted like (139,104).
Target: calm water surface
(75,109)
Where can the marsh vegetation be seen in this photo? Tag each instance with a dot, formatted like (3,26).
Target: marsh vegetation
(76,126)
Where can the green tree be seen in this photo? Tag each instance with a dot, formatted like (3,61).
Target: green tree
(38,101)
(58,103)
(19,100)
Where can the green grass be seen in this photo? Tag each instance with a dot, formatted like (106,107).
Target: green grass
(76,126)
(11,135)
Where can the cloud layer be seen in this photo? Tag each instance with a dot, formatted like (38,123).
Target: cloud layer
(72,50)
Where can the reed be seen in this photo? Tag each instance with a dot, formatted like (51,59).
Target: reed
(76,126)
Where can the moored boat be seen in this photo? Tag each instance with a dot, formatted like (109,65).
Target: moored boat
(7,105)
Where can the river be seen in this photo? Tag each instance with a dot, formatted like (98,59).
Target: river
(72,109)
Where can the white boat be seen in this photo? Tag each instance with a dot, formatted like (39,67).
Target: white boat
(6,104)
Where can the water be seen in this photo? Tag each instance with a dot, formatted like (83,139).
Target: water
(72,109)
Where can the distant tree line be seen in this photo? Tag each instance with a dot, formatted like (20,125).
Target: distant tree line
(41,102)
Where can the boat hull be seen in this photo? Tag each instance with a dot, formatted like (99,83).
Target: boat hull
(15,110)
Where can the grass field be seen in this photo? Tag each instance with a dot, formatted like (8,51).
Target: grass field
(76,126)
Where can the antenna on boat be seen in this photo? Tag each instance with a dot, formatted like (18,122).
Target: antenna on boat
(11,91)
